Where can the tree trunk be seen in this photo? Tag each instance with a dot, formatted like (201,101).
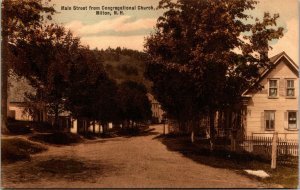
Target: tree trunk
(103,128)
(56,122)
(94,126)
(87,125)
(181,127)
(4,89)
(83,126)
(194,125)
(212,128)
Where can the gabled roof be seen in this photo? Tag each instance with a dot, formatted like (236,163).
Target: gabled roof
(275,60)
(151,98)
(18,86)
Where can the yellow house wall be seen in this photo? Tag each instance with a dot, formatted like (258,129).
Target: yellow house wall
(19,113)
(260,102)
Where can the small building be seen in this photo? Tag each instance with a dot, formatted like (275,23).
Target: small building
(18,107)
(18,86)
(17,111)
(275,107)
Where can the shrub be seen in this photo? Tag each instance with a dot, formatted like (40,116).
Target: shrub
(59,138)
(15,149)
(18,127)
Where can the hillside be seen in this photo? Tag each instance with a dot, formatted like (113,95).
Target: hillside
(120,64)
(125,64)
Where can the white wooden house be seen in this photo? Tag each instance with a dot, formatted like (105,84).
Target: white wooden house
(157,112)
(275,107)
(17,105)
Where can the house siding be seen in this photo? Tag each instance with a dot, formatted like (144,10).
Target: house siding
(260,102)
(18,113)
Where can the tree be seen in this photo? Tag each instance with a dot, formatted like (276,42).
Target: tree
(215,45)
(133,102)
(90,93)
(44,59)
(176,93)
(19,19)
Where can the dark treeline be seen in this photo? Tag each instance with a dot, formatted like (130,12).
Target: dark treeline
(66,75)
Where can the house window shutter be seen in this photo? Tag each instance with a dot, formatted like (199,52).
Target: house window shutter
(297,117)
(285,124)
(262,119)
(285,92)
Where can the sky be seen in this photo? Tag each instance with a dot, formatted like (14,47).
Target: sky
(129,30)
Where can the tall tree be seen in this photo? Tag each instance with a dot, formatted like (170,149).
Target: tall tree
(90,93)
(133,102)
(44,59)
(19,19)
(215,45)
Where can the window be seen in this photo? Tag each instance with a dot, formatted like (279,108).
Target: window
(273,86)
(290,89)
(292,120)
(269,120)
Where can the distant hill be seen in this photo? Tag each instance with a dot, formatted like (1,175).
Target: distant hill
(125,64)
(120,64)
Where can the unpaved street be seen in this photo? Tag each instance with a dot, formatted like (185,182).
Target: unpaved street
(139,162)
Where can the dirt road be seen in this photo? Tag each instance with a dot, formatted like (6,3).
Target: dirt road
(136,162)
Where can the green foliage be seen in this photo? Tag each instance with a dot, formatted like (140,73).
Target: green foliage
(67,76)
(125,64)
(133,102)
(90,93)
(19,20)
(212,49)
(177,93)
(44,59)
(128,69)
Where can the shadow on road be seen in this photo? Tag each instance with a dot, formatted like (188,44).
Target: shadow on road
(148,132)
(216,158)
(58,168)
(230,160)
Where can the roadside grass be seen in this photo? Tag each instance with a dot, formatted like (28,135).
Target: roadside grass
(57,138)
(16,149)
(287,176)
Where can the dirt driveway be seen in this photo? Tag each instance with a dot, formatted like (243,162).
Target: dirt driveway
(136,162)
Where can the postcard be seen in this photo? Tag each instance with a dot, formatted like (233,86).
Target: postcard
(149,94)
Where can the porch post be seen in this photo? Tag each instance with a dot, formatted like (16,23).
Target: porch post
(274,150)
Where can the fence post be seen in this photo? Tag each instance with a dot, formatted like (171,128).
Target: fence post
(251,142)
(233,141)
(274,150)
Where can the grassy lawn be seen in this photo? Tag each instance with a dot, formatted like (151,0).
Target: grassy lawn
(15,149)
(287,176)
